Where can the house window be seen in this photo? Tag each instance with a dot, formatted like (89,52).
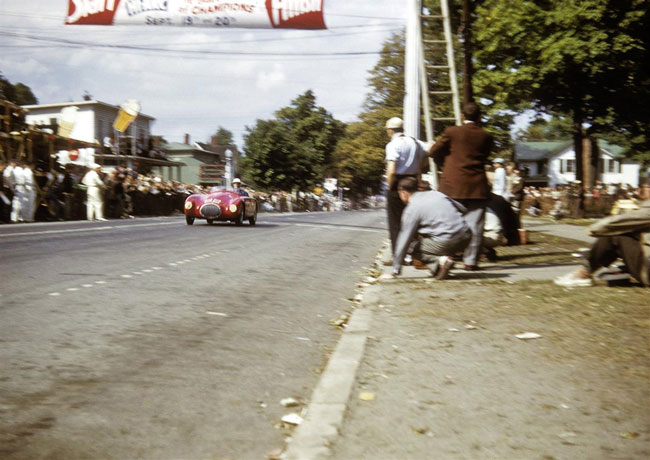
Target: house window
(571,166)
(613,166)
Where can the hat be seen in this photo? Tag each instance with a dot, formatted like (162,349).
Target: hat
(94,166)
(498,160)
(236,181)
(394,123)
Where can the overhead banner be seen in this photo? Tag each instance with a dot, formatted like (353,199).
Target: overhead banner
(254,14)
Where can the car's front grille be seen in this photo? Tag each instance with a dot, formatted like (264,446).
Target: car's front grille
(210,211)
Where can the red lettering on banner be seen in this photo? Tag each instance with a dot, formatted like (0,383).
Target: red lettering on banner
(296,14)
(100,12)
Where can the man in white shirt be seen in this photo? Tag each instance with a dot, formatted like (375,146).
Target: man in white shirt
(95,202)
(17,182)
(499,179)
(404,155)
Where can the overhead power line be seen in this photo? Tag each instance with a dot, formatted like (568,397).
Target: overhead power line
(77,43)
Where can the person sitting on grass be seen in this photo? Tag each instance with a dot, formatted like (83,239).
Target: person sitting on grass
(437,222)
(625,236)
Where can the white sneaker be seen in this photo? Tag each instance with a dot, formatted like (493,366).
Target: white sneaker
(572,280)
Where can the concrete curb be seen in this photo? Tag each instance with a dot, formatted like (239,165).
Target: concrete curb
(313,437)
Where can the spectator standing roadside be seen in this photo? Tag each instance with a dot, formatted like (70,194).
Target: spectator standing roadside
(31,192)
(404,156)
(17,181)
(462,153)
(499,182)
(95,202)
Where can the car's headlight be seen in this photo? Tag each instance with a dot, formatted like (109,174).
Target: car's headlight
(233,208)
(188,205)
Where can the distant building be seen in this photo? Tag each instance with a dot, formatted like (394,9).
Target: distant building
(92,121)
(205,164)
(553,163)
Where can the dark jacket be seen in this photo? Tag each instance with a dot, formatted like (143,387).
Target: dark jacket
(462,153)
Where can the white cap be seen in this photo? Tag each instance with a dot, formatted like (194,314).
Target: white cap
(498,160)
(236,180)
(394,123)
(94,166)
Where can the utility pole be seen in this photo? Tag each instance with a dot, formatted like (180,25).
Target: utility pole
(411,70)
(468,70)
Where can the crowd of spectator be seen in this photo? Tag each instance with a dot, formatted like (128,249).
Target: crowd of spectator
(60,195)
(597,201)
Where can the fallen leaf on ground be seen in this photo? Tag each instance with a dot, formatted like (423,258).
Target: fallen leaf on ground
(292,419)
(366,396)
(289,402)
(528,336)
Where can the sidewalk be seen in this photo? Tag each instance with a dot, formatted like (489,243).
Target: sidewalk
(434,369)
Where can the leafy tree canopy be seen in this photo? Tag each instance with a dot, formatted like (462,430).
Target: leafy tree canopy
(584,58)
(18,93)
(295,149)
(223,136)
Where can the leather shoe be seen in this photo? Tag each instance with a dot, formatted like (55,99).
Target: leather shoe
(418,264)
(471,268)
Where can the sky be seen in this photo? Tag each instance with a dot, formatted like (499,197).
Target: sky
(187,83)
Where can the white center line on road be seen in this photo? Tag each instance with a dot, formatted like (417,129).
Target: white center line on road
(88,229)
(87,285)
(54,294)
(100,282)
(127,276)
(72,289)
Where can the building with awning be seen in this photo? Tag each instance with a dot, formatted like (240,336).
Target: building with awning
(88,127)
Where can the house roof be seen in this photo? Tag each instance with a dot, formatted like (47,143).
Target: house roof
(613,150)
(178,147)
(80,103)
(540,150)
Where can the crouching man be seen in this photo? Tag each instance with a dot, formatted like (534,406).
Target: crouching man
(436,222)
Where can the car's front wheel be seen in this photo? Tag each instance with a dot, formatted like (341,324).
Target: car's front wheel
(240,217)
(189,220)
(252,220)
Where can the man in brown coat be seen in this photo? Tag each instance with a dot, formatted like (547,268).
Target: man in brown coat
(462,153)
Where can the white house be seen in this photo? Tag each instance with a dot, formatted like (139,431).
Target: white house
(88,121)
(553,162)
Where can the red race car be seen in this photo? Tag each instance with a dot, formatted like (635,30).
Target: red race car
(222,205)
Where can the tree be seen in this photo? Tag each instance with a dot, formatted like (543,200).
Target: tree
(223,136)
(360,154)
(584,58)
(19,93)
(293,150)
(543,129)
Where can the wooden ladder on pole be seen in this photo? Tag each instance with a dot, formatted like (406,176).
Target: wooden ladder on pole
(437,75)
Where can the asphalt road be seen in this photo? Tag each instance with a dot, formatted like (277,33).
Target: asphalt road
(151,339)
